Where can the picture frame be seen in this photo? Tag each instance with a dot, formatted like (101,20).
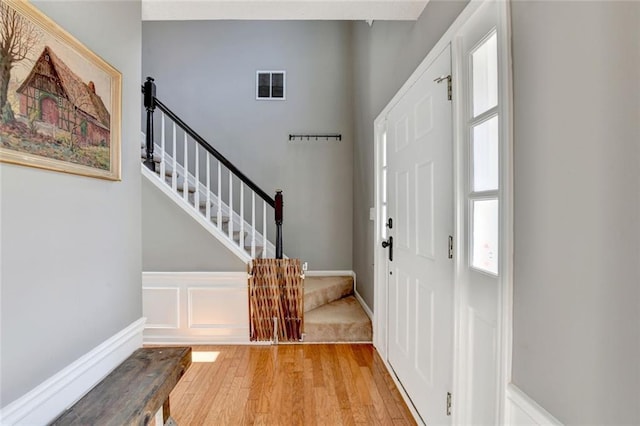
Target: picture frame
(60,103)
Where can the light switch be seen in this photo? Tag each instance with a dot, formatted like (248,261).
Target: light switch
(372,213)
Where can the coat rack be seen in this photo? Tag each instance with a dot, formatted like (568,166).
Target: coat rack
(334,136)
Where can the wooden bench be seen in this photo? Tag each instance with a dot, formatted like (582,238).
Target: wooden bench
(133,392)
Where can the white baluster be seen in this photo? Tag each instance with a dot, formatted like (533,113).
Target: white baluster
(196,198)
(230,205)
(253,225)
(208,208)
(162,165)
(264,229)
(219,195)
(185,168)
(241,236)
(174,174)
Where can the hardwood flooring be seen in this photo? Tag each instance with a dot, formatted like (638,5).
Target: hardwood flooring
(321,384)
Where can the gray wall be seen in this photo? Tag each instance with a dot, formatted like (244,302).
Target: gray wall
(70,257)
(173,241)
(577,208)
(384,55)
(205,71)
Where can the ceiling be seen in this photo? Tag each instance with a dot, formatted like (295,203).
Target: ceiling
(368,10)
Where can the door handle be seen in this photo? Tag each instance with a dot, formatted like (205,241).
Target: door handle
(389,243)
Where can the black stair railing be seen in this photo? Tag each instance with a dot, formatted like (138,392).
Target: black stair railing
(159,164)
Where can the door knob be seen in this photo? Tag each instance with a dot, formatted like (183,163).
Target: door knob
(389,243)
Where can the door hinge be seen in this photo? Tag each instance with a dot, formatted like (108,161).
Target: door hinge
(449,85)
(450,247)
(448,403)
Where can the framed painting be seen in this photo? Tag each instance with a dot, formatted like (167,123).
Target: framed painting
(59,102)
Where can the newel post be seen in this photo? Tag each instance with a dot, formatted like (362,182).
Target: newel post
(278,214)
(150,105)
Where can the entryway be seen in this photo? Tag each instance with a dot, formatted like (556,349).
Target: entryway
(444,227)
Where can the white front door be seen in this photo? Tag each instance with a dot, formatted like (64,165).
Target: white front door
(418,169)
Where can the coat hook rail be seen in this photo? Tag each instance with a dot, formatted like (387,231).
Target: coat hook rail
(300,137)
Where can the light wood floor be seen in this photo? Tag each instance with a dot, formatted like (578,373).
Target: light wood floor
(289,385)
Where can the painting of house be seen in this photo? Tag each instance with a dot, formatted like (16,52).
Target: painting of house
(54,95)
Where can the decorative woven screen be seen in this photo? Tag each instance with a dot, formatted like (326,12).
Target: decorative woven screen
(276,300)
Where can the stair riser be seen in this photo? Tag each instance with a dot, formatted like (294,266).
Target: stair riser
(337,333)
(325,290)
(343,320)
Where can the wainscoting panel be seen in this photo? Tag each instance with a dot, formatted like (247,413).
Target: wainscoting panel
(218,308)
(195,307)
(161,307)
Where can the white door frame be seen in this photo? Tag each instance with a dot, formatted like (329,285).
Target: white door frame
(380,319)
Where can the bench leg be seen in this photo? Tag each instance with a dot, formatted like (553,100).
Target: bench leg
(166,411)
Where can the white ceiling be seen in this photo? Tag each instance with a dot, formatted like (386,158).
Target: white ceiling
(182,10)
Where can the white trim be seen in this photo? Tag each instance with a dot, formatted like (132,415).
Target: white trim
(379,259)
(365,307)
(45,402)
(521,410)
(201,340)
(194,277)
(332,274)
(505,88)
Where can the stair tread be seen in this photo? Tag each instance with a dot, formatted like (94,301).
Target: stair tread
(322,290)
(258,250)
(342,320)
(180,184)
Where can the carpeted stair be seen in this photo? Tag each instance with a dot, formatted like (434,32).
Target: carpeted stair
(332,313)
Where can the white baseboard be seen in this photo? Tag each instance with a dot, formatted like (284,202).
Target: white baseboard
(524,411)
(366,307)
(48,400)
(201,341)
(331,274)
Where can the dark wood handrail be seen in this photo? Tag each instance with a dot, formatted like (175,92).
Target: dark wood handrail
(202,142)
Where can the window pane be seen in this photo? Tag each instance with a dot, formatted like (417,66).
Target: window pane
(384,149)
(485,76)
(485,236)
(264,85)
(384,185)
(277,85)
(485,155)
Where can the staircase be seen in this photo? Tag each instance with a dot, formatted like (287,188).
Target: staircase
(207,185)
(188,202)
(332,313)
(236,211)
